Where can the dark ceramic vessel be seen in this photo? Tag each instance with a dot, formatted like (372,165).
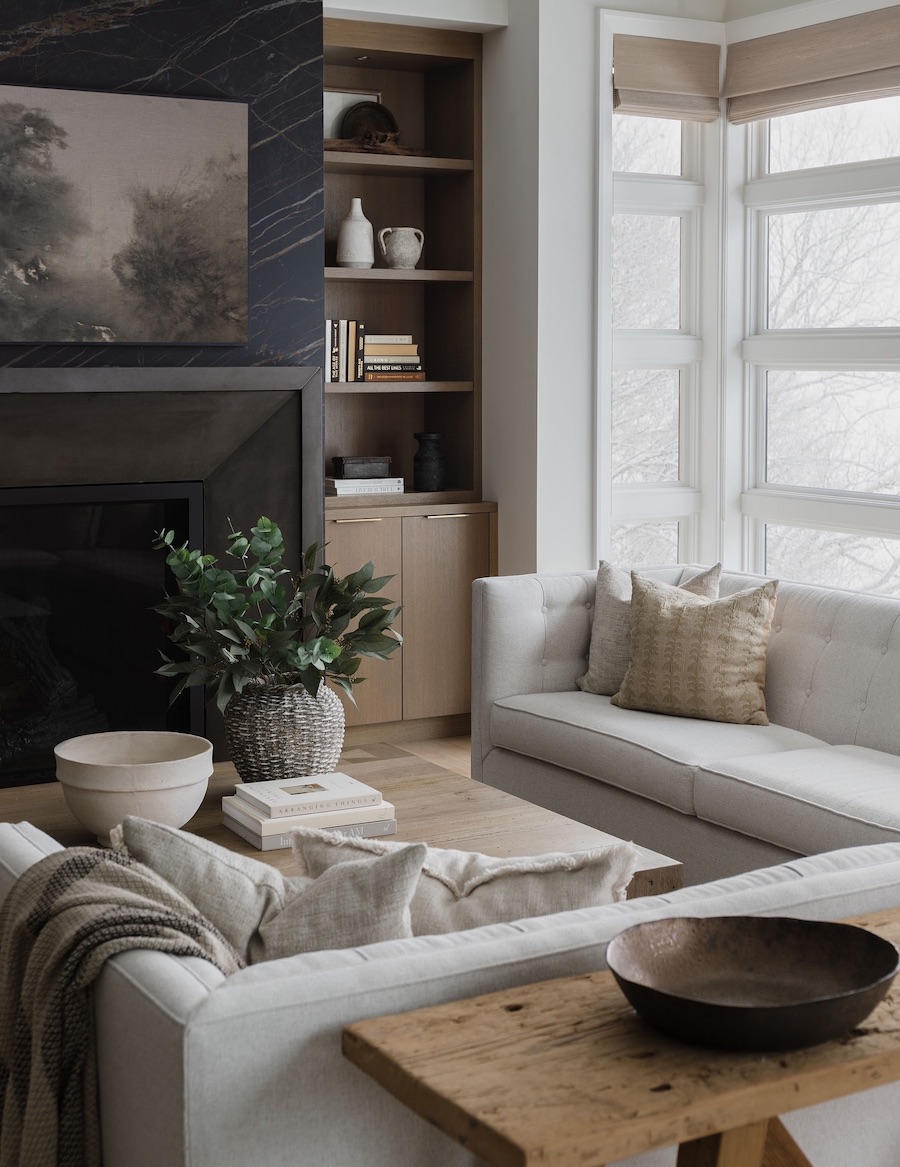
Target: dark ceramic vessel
(752,982)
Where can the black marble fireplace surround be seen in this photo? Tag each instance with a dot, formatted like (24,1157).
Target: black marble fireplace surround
(249,439)
(243,420)
(267,55)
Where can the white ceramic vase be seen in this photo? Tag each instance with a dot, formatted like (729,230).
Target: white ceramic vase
(356,239)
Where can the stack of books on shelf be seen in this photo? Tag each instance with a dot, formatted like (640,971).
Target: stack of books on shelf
(346,487)
(265,813)
(391,357)
(344,346)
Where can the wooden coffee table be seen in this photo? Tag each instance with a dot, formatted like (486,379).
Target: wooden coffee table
(433,805)
(565,1073)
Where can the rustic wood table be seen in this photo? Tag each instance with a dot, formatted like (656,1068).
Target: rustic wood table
(564,1072)
(434,805)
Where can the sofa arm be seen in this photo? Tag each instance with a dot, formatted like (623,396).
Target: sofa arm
(143,1002)
(21,845)
(530,634)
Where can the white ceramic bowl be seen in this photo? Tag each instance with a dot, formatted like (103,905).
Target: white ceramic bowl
(154,774)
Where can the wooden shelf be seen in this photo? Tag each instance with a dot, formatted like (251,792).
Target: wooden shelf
(400,387)
(398,275)
(348,162)
(430,80)
(422,502)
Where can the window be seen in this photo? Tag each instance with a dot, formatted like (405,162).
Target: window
(823,354)
(656,370)
(749,284)
(646,145)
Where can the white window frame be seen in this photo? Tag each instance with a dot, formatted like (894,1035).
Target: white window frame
(763,349)
(691,349)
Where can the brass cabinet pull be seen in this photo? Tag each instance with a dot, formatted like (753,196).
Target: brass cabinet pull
(354,520)
(460,515)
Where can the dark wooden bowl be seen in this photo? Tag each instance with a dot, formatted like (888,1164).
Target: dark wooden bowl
(752,982)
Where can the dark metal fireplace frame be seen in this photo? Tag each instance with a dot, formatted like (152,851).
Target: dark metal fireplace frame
(253,436)
(101,424)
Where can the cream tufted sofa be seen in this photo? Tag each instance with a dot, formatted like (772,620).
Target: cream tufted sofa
(824,774)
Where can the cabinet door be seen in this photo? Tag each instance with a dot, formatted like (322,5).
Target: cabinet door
(442,555)
(350,544)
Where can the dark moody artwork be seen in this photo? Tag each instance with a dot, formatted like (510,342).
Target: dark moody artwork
(124,218)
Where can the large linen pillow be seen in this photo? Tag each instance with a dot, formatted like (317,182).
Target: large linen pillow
(267,915)
(611,628)
(693,657)
(463,889)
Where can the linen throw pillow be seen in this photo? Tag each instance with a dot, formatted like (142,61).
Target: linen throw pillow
(608,655)
(266,915)
(693,657)
(463,889)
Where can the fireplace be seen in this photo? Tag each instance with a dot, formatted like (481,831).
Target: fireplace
(79,642)
(91,463)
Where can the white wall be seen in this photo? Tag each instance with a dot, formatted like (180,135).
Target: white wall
(546,508)
(511,253)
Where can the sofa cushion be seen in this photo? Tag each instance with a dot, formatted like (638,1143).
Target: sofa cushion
(267,915)
(692,657)
(646,753)
(810,800)
(463,889)
(611,628)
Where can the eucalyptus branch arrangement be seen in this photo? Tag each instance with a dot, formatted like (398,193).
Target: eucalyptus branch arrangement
(256,625)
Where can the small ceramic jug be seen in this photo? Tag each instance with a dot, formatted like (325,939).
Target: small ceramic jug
(401,246)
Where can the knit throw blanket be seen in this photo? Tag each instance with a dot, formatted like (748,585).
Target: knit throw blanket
(63,918)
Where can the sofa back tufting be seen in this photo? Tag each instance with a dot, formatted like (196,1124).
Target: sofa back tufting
(833,663)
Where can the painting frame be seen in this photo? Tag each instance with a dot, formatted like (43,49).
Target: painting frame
(127,218)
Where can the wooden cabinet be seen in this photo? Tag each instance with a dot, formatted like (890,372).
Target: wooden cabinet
(435,553)
(443,552)
(430,80)
(434,543)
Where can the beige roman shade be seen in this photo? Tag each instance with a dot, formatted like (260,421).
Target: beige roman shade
(665,78)
(851,59)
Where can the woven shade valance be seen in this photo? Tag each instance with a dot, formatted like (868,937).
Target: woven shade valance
(666,78)
(851,59)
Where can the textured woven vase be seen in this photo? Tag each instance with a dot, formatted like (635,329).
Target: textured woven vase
(279,731)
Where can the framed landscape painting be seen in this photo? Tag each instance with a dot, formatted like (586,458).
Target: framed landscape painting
(124,218)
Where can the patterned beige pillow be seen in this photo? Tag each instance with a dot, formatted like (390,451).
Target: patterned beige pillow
(693,657)
(463,889)
(611,629)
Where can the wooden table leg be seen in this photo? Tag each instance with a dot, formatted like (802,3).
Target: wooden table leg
(744,1146)
(781,1150)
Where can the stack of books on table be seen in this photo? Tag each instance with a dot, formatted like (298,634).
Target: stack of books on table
(391,357)
(265,813)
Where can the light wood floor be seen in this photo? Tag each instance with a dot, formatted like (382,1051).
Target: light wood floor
(453,753)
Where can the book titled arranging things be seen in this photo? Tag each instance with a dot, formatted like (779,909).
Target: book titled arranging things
(284,797)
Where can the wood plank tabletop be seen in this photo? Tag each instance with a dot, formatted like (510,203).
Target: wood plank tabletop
(564,1073)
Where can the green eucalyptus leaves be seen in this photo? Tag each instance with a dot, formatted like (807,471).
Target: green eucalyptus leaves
(257,625)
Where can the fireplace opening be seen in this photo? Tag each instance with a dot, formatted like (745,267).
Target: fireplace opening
(79,643)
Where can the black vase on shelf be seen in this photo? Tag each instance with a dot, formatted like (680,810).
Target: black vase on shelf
(428,464)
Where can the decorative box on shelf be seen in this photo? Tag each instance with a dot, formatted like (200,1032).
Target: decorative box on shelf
(366,466)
